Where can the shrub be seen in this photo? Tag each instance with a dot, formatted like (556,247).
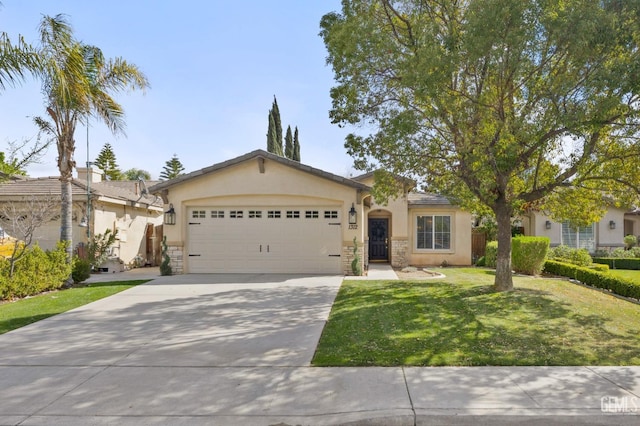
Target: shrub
(566,254)
(81,270)
(630,241)
(98,247)
(528,254)
(356,269)
(594,278)
(481,261)
(491,254)
(165,266)
(35,272)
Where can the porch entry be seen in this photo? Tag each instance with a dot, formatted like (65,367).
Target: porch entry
(378,239)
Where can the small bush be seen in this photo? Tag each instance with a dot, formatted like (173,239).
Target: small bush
(630,241)
(81,270)
(594,278)
(356,268)
(165,266)
(481,261)
(528,254)
(491,254)
(566,254)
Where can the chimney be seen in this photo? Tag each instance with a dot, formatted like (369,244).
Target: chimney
(95,174)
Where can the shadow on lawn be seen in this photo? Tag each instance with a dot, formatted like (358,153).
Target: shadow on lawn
(438,323)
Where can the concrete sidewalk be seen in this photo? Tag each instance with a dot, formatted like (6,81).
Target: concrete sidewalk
(229,350)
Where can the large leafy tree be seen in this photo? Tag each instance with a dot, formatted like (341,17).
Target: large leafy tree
(172,168)
(501,105)
(78,82)
(136,174)
(106,160)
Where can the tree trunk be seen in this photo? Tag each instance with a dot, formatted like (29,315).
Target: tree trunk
(504,277)
(66,215)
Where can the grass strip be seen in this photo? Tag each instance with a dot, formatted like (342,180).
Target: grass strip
(16,314)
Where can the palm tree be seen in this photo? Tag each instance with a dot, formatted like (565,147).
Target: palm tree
(15,60)
(77,82)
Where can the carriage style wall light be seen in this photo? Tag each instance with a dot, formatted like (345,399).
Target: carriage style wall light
(170,216)
(547,224)
(353,216)
(612,224)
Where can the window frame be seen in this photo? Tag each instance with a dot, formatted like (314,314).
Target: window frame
(433,215)
(575,234)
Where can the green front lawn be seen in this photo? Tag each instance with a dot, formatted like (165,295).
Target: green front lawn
(25,311)
(461,321)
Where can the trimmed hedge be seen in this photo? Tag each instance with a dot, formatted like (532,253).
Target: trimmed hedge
(491,254)
(599,267)
(594,278)
(528,254)
(619,263)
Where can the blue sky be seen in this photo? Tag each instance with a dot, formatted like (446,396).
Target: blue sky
(214,67)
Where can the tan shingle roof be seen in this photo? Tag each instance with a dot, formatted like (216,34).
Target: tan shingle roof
(128,191)
(421,198)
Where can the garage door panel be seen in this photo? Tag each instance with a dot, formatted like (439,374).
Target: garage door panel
(264,244)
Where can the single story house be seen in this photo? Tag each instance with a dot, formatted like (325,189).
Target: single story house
(263,213)
(606,234)
(125,206)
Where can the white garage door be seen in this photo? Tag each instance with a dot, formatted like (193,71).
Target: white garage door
(264,240)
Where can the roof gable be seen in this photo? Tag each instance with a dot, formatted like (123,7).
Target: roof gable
(259,155)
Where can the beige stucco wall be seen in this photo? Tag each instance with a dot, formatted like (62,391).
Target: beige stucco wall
(402,225)
(131,224)
(460,251)
(605,236)
(243,185)
(394,208)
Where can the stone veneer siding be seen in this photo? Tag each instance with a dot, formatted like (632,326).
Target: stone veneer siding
(176,259)
(399,252)
(347,257)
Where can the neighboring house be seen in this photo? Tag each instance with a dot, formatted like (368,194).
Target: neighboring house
(124,206)
(607,234)
(263,213)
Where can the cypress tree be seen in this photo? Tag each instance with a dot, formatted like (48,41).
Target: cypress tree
(278,127)
(288,144)
(106,160)
(296,146)
(271,134)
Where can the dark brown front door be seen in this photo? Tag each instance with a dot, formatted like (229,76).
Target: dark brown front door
(378,239)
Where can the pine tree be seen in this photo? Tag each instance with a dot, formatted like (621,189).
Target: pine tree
(172,169)
(106,160)
(288,144)
(278,127)
(296,146)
